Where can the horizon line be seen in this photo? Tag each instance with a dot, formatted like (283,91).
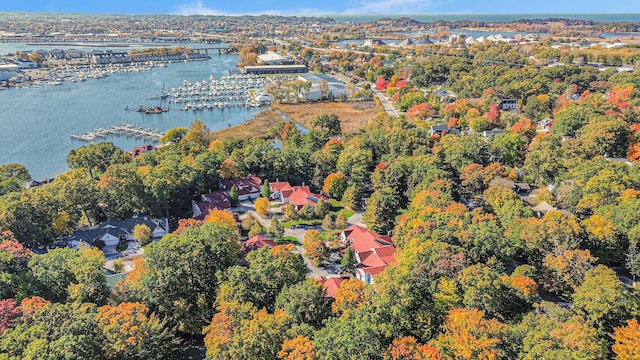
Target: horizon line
(320,14)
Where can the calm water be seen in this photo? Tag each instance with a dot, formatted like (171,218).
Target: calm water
(492,17)
(35,123)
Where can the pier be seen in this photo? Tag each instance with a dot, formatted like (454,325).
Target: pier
(123,129)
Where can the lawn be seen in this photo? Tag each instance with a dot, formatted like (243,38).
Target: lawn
(287,240)
(353,115)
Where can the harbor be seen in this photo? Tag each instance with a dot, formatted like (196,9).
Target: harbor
(124,129)
(38,121)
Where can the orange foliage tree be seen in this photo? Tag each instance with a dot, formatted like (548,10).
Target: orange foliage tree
(335,185)
(351,294)
(407,348)
(130,331)
(420,111)
(627,346)
(222,218)
(468,335)
(298,348)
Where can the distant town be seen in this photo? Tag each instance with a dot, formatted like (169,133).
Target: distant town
(404,190)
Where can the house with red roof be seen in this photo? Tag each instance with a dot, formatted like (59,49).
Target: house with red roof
(331,286)
(257,242)
(280,190)
(248,188)
(139,150)
(373,252)
(302,196)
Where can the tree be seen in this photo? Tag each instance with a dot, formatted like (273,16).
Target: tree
(341,221)
(180,280)
(262,206)
(233,196)
(408,348)
(229,170)
(9,314)
(564,272)
(627,346)
(316,250)
(382,208)
(221,217)
(411,98)
(351,198)
(174,135)
(468,335)
(335,185)
(96,157)
(266,190)
(13,177)
(351,294)
(14,260)
(552,332)
(298,348)
(329,125)
(275,228)
(142,233)
(328,223)
(256,229)
(348,261)
(129,331)
(604,301)
(305,302)
(290,212)
(322,208)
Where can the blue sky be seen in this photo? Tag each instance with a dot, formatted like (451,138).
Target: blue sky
(295,7)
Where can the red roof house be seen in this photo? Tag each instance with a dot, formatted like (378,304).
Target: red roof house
(257,242)
(248,188)
(280,190)
(331,285)
(302,196)
(138,150)
(373,252)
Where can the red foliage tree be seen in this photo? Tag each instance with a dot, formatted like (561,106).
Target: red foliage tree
(9,313)
(381,83)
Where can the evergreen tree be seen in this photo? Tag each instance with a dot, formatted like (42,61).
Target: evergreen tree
(266,190)
(348,261)
(233,196)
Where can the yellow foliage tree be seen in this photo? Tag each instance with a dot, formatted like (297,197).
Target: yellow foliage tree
(351,294)
(262,205)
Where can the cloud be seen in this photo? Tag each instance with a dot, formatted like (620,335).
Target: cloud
(392,6)
(199,8)
(196,8)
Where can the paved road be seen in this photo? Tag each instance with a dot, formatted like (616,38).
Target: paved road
(386,104)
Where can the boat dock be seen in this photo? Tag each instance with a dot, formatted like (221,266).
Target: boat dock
(123,129)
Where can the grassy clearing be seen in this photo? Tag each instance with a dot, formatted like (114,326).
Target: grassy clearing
(347,213)
(287,240)
(264,124)
(353,115)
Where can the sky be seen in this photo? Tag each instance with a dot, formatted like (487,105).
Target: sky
(301,7)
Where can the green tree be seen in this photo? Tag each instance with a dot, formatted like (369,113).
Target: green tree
(180,282)
(328,223)
(266,190)
(604,301)
(233,196)
(275,228)
(305,302)
(174,135)
(13,177)
(96,157)
(322,208)
(351,198)
(382,208)
(256,229)
(329,124)
(348,261)
(341,221)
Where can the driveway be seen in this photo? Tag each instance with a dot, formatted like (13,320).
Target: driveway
(356,219)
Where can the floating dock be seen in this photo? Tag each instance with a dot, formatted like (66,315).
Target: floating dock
(123,129)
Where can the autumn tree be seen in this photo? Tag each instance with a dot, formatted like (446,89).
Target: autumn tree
(408,348)
(335,185)
(142,233)
(221,217)
(9,314)
(468,335)
(298,348)
(275,229)
(316,250)
(627,345)
(262,206)
(130,331)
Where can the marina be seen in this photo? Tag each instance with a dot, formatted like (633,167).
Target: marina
(37,122)
(124,129)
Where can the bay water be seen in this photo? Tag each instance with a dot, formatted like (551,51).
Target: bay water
(36,123)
